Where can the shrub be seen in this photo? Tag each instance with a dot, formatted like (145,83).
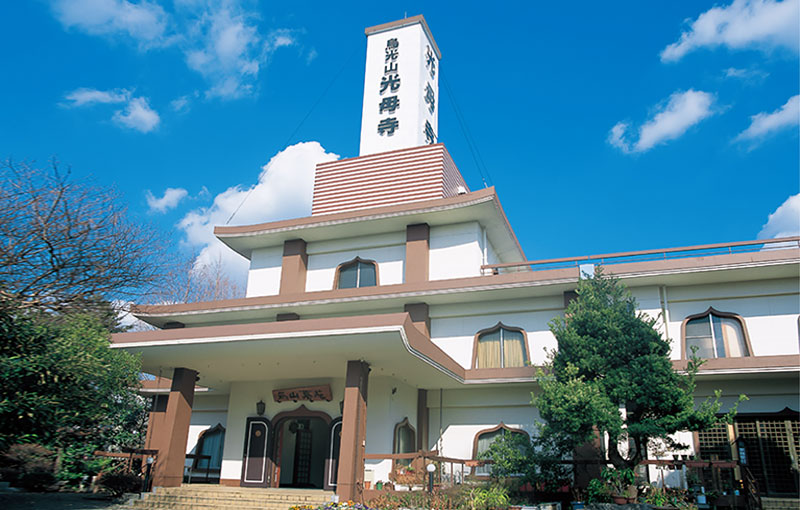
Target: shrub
(119,483)
(598,491)
(487,498)
(36,481)
(31,464)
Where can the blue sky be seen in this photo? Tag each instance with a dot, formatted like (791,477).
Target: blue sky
(605,126)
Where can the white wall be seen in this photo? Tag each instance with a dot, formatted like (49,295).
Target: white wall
(770,309)
(414,77)
(384,411)
(264,277)
(455,251)
(388,250)
(465,412)
(242,404)
(453,327)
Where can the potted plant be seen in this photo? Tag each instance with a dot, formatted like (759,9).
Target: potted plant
(621,483)
(578,498)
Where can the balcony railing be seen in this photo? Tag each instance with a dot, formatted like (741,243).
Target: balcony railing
(647,255)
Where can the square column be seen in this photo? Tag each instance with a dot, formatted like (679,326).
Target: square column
(172,432)
(350,482)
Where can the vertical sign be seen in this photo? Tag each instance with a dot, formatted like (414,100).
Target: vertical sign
(401,87)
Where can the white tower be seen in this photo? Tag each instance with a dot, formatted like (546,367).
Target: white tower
(401,87)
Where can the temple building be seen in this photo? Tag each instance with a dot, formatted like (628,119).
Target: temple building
(403,315)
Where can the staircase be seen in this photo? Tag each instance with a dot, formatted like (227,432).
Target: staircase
(216,497)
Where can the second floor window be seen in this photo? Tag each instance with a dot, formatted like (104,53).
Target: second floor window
(501,347)
(715,335)
(357,273)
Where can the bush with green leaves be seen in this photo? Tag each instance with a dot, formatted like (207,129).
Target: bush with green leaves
(119,483)
(598,491)
(62,386)
(518,460)
(29,466)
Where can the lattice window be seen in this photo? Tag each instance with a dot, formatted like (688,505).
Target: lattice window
(748,431)
(776,445)
(715,443)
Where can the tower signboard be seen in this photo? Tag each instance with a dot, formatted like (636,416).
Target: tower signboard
(401,87)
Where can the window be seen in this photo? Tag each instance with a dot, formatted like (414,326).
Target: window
(500,347)
(715,335)
(357,273)
(484,438)
(405,441)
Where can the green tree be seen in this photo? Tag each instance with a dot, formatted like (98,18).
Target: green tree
(63,387)
(612,374)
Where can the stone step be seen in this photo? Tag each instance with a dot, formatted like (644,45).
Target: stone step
(238,501)
(215,497)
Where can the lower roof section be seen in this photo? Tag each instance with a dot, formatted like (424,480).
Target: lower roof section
(319,348)
(313,348)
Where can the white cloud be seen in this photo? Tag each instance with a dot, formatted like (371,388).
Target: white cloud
(764,124)
(180,104)
(784,222)
(682,111)
(227,49)
(762,24)
(747,75)
(311,56)
(145,22)
(284,190)
(138,115)
(170,199)
(219,39)
(86,96)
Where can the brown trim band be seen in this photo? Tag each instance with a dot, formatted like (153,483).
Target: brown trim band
(534,278)
(785,361)
(419,18)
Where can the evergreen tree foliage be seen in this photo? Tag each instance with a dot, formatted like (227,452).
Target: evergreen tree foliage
(612,374)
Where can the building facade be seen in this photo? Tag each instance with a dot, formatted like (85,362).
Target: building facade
(403,315)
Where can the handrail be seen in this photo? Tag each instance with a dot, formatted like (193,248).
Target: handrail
(689,250)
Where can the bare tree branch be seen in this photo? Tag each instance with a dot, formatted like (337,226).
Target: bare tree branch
(65,243)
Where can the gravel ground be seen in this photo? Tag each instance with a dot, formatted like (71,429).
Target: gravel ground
(56,501)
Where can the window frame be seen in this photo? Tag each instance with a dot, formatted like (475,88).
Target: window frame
(402,423)
(725,315)
(498,326)
(487,431)
(356,260)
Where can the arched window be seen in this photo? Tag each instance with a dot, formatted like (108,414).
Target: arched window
(357,273)
(405,440)
(500,347)
(715,335)
(486,437)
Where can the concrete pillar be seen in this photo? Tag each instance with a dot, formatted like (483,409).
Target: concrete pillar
(294,267)
(350,482)
(173,431)
(417,253)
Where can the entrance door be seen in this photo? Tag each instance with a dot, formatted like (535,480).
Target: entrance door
(302,445)
(332,460)
(256,465)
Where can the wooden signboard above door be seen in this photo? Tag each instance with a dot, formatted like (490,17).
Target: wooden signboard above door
(306,393)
